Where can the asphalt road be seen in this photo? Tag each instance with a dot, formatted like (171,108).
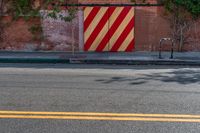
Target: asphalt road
(99,89)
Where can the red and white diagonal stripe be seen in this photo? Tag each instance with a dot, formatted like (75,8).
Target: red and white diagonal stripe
(109,29)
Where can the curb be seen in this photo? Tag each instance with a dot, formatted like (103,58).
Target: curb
(100,61)
(136,62)
(33,60)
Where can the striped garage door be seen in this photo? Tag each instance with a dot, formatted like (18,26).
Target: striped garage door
(109,29)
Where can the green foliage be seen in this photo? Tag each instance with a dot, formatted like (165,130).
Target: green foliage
(27,10)
(56,10)
(181,15)
(190,6)
(23,8)
(36,31)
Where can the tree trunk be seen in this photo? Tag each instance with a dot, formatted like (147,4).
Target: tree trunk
(1,25)
(181,39)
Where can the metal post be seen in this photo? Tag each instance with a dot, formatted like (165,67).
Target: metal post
(160,49)
(172,47)
(172,50)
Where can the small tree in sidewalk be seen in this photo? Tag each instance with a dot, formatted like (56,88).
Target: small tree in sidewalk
(181,14)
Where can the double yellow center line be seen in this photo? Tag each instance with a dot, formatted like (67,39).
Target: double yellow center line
(99,116)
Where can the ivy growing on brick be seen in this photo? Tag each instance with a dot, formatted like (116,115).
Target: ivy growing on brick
(191,6)
(27,9)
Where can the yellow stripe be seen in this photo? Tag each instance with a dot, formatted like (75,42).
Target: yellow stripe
(101,118)
(87,11)
(95,22)
(98,114)
(121,28)
(127,41)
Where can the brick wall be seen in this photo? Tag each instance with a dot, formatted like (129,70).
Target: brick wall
(150,26)
(17,36)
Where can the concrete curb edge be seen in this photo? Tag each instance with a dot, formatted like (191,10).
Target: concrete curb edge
(100,61)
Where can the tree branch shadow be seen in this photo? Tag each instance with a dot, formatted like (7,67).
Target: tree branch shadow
(183,77)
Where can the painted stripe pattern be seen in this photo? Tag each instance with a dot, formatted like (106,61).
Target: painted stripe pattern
(109,29)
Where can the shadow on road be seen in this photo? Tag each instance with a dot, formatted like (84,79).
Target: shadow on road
(176,76)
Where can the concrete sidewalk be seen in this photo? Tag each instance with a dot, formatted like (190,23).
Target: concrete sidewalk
(134,58)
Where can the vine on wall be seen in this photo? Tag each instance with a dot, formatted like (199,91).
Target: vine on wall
(28,9)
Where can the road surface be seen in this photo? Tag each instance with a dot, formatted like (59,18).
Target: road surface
(55,98)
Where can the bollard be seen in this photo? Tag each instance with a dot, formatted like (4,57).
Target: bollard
(172,47)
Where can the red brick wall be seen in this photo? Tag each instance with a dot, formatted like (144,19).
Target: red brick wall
(150,26)
(17,36)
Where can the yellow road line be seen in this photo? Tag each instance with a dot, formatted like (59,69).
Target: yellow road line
(98,114)
(101,118)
